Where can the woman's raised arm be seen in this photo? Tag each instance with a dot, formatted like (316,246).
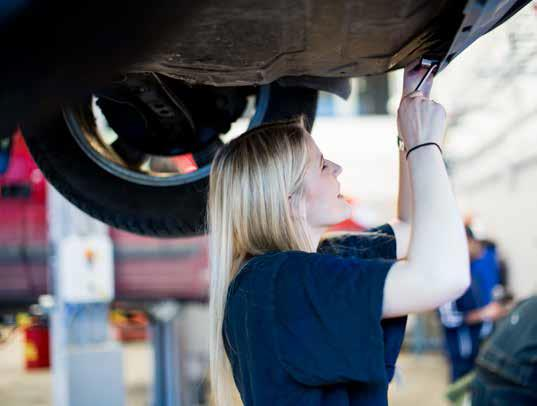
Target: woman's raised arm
(436,268)
(401,225)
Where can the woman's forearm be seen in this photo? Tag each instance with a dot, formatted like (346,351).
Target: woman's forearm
(438,243)
(436,269)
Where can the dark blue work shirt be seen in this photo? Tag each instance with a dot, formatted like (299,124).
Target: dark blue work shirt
(305,328)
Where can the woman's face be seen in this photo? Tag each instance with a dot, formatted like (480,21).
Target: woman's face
(324,204)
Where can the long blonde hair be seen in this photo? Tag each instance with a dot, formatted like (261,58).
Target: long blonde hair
(255,205)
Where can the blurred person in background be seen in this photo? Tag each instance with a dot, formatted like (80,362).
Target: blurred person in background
(469,320)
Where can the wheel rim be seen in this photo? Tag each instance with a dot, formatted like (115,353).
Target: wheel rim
(95,137)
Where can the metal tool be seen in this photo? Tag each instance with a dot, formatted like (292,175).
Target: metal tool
(431,65)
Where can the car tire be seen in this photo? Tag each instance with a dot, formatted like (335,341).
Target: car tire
(171,211)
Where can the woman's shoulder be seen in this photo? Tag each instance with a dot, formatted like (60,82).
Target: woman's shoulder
(275,259)
(377,242)
(297,260)
(261,270)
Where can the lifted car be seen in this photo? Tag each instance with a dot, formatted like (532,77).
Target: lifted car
(124,109)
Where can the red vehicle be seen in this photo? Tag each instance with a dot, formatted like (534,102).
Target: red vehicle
(145,268)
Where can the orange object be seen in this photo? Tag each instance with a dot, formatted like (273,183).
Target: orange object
(130,325)
(36,347)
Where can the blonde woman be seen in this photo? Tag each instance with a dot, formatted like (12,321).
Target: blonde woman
(299,322)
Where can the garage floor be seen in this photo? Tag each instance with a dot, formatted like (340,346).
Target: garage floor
(419,378)
(19,387)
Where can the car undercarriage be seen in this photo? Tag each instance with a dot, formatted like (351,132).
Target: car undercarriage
(139,97)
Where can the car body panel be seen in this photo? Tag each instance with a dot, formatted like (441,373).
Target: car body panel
(251,42)
(232,43)
(480,17)
(243,42)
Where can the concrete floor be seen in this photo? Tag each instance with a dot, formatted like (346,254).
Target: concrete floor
(418,378)
(19,387)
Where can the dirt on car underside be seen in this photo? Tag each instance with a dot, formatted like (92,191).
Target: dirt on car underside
(243,42)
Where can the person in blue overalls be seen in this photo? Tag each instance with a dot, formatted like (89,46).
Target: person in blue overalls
(299,321)
(468,320)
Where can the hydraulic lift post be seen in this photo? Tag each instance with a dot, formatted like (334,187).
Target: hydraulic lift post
(169,387)
(87,364)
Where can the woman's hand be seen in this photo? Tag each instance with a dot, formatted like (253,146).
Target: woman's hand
(420,120)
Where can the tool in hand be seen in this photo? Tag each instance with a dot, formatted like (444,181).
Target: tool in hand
(431,65)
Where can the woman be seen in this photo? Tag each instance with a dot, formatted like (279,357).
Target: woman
(296,322)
